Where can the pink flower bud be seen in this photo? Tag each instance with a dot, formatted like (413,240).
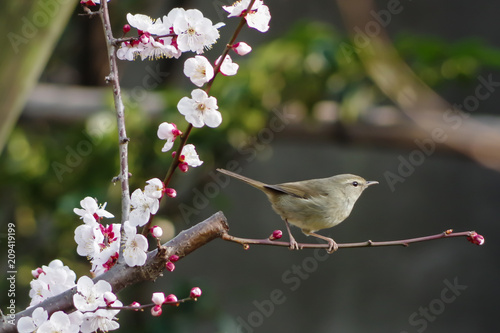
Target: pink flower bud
(156,310)
(170,266)
(242,48)
(476,238)
(175,131)
(171,192)
(173,258)
(277,234)
(36,272)
(158,298)
(156,231)
(109,298)
(195,293)
(174,153)
(135,305)
(171,299)
(126,28)
(183,167)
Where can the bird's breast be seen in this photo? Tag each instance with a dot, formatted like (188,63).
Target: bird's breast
(312,214)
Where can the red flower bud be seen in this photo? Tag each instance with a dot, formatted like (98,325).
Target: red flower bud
(277,234)
(475,238)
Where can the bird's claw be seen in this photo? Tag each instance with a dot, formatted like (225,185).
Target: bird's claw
(332,246)
(293,244)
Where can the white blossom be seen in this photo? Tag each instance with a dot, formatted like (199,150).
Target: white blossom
(169,132)
(136,246)
(154,189)
(88,239)
(102,319)
(91,212)
(199,70)
(54,279)
(90,296)
(200,110)
(190,157)
(228,67)
(58,323)
(31,324)
(142,207)
(194,32)
(257,17)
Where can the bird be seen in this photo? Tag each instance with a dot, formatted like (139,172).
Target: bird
(312,205)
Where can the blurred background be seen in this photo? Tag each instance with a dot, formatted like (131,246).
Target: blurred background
(402,92)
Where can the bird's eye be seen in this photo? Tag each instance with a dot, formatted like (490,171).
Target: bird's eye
(355,184)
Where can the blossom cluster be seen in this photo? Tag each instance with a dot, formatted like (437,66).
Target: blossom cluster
(179,31)
(101,243)
(93,303)
(188,30)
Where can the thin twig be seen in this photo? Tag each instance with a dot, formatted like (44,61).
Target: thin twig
(187,132)
(120,117)
(246,242)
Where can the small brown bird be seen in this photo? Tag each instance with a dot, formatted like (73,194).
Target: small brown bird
(313,204)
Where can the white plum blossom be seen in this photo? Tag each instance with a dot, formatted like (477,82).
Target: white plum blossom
(104,260)
(88,239)
(31,324)
(142,207)
(169,132)
(129,50)
(90,296)
(102,319)
(257,17)
(58,323)
(153,49)
(148,46)
(154,189)
(136,246)
(194,32)
(239,7)
(242,48)
(76,317)
(54,279)
(179,31)
(228,67)
(189,156)
(141,22)
(91,212)
(200,110)
(199,70)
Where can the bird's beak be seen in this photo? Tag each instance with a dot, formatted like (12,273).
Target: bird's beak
(371,182)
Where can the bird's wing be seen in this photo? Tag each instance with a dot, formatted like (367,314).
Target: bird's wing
(297,189)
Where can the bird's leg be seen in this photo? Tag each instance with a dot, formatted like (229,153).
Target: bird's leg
(293,243)
(332,245)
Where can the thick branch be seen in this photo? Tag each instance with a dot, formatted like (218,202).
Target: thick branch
(246,242)
(122,276)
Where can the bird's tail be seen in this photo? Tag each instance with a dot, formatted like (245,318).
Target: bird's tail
(254,183)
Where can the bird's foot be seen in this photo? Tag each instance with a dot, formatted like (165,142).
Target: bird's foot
(332,246)
(294,245)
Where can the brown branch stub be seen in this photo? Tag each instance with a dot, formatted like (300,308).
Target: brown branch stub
(122,276)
